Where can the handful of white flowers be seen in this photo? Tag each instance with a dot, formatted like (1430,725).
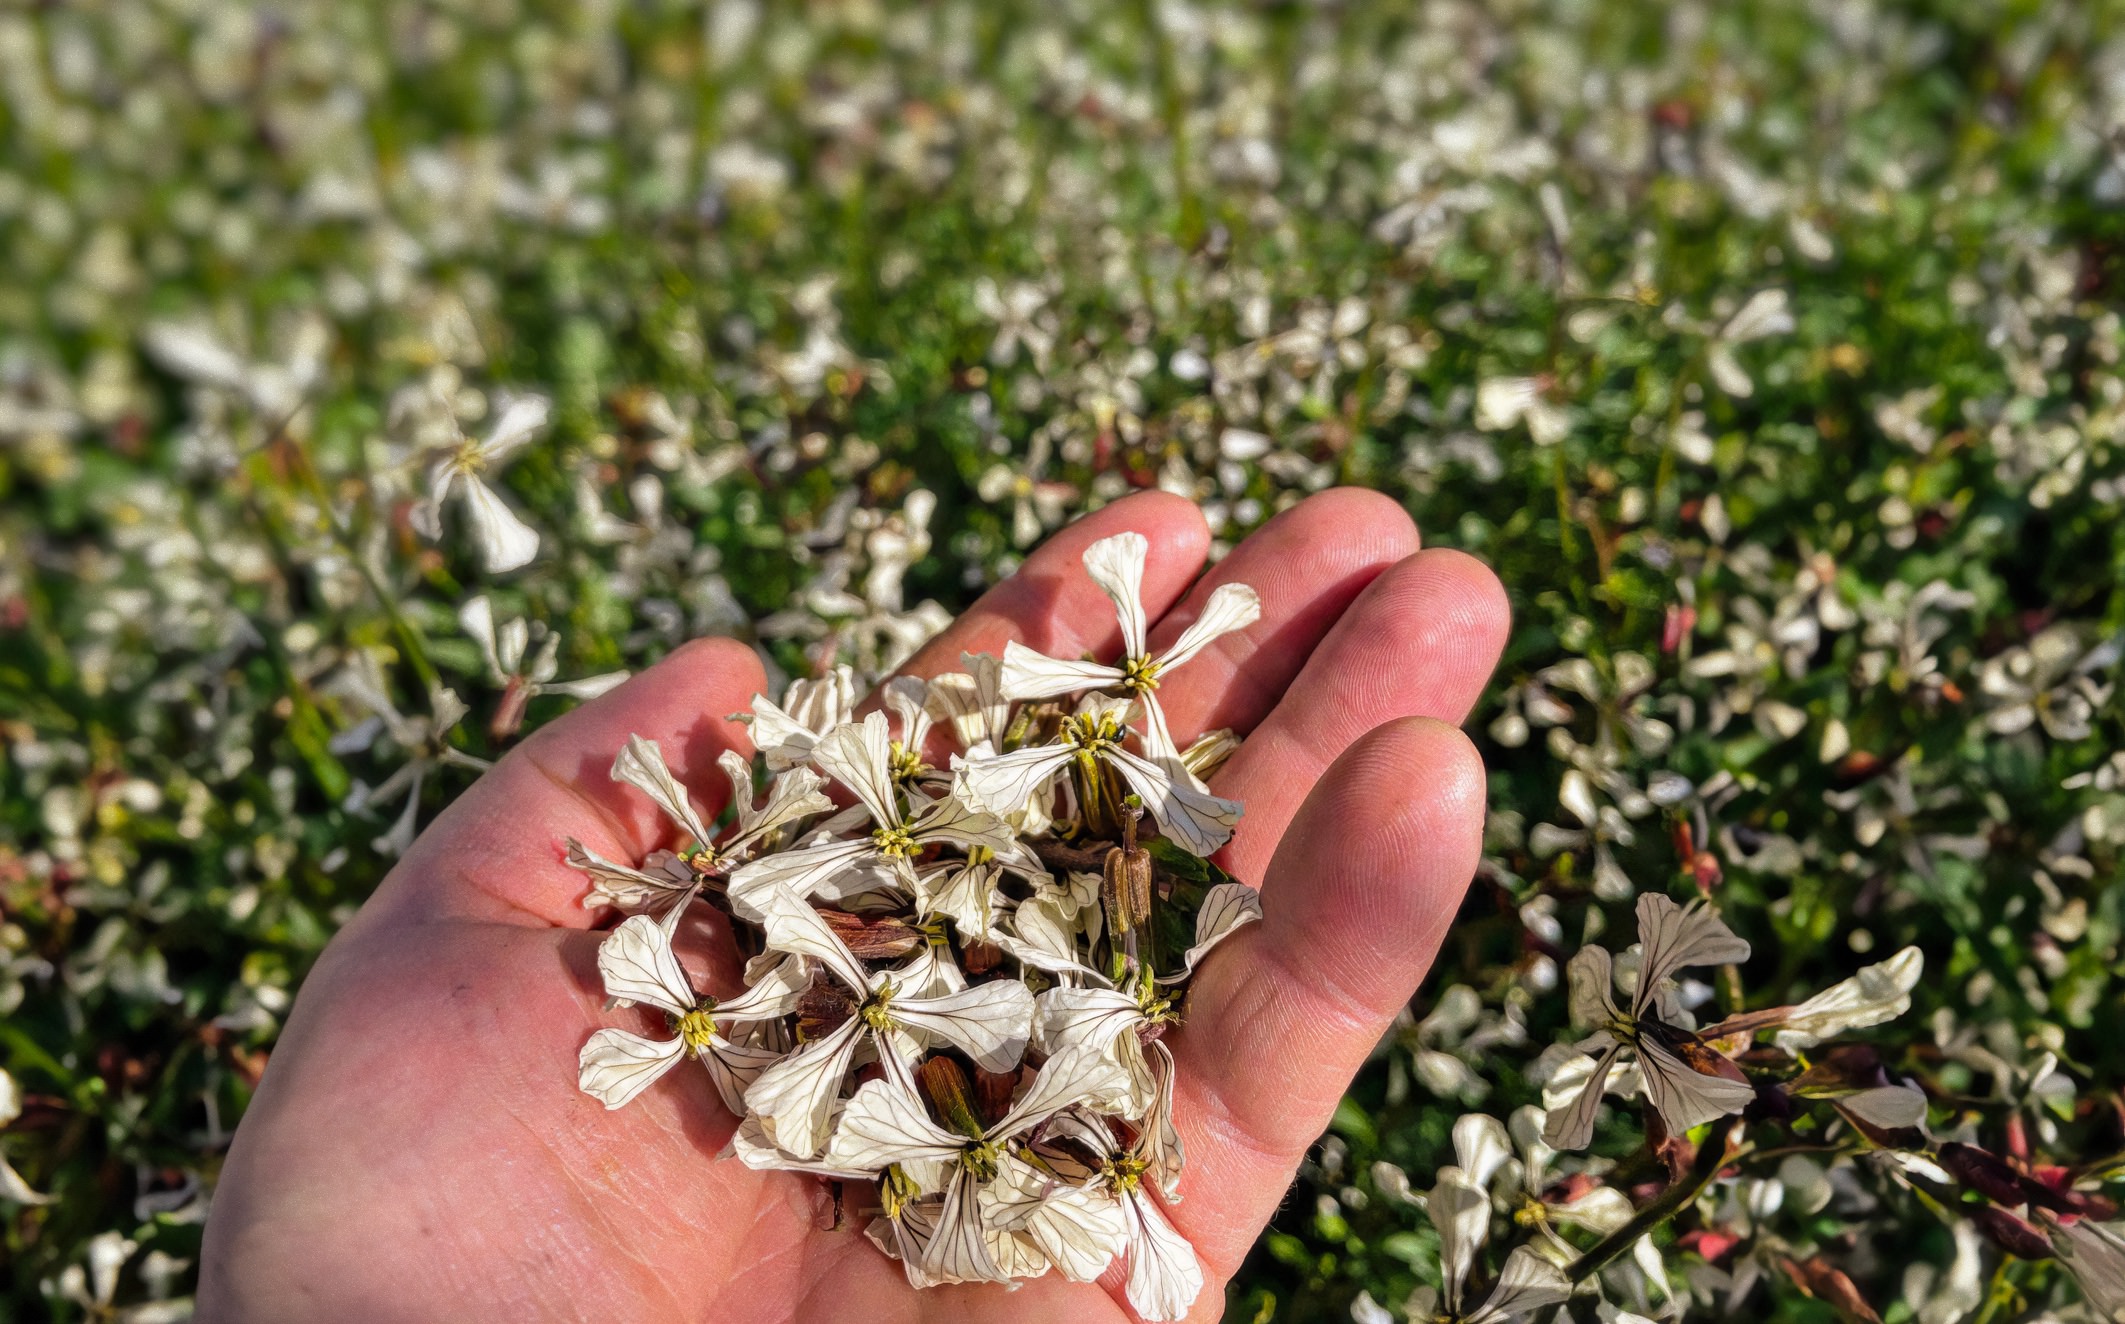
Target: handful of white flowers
(957,982)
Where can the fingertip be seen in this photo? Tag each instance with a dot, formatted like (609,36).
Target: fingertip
(1362,513)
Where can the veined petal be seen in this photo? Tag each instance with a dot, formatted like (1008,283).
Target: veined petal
(794,927)
(1031,675)
(1158,1140)
(637,963)
(972,701)
(1164,1278)
(1226,908)
(1116,564)
(750,1145)
(1877,993)
(733,1068)
(1671,937)
(1075,1075)
(801,873)
(959,1250)
(785,741)
(1481,1147)
(1572,1125)
(964,893)
(990,1022)
(1042,935)
(930,973)
(908,697)
(641,765)
(773,994)
(1589,977)
(907,1239)
(1004,783)
(794,1098)
(1231,607)
(506,542)
(1079,1228)
(1158,743)
(884,1123)
(1528,1284)
(1094,1016)
(624,888)
(946,819)
(1460,1210)
(615,1066)
(1685,1098)
(859,755)
(1197,821)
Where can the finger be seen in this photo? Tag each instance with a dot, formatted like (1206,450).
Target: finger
(1421,641)
(1282,1015)
(1052,606)
(498,852)
(1307,565)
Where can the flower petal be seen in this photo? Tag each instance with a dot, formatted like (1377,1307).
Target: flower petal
(1571,1126)
(641,765)
(959,1251)
(1877,993)
(637,963)
(506,542)
(885,1123)
(1672,937)
(1685,1098)
(1528,1284)
(1226,909)
(624,888)
(1231,607)
(801,873)
(1116,564)
(990,1022)
(1031,675)
(794,927)
(615,1066)
(859,755)
(734,1067)
(1080,1074)
(1164,1278)
(1004,783)
(1196,820)
(794,1099)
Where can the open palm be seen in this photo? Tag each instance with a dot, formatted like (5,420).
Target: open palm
(418,1149)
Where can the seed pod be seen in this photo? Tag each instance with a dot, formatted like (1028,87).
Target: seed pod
(821,1009)
(2009,1233)
(992,1092)
(949,1093)
(873,940)
(978,958)
(1125,888)
(1988,1174)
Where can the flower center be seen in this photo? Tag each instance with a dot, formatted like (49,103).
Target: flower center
(980,1160)
(1140,674)
(896,841)
(1124,1173)
(906,764)
(1089,734)
(876,1011)
(896,1191)
(467,458)
(697,1027)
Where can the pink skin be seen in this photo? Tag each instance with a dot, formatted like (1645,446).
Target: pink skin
(418,1149)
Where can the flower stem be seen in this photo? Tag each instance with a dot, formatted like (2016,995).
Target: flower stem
(1711,1157)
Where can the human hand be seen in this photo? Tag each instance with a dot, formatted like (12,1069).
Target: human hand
(418,1149)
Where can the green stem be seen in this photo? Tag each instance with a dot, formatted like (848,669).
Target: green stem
(1711,1157)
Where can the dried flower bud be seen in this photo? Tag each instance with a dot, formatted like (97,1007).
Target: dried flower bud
(946,1086)
(1125,888)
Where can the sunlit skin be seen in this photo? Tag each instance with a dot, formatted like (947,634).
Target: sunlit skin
(418,1149)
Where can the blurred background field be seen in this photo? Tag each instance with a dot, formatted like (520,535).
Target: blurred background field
(1769,350)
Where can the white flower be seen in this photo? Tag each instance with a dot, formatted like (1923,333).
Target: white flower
(1878,993)
(1460,1210)
(665,877)
(506,543)
(1004,784)
(1502,402)
(1764,315)
(1116,564)
(786,732)
(972,703)
(12,1187)
(885,1125)
(1671,937)
(425,740)
(639,966)
(505,646)
(859,755)
(989,1022)
(2094,1253)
